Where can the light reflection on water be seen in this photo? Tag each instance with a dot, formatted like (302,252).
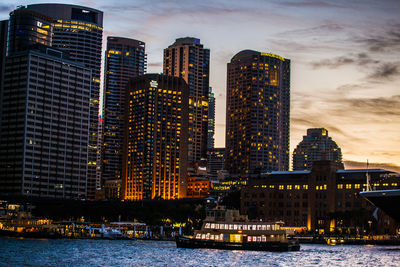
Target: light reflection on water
(30,252)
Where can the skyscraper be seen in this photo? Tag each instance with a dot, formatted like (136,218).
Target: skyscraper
(45,125)
(188,59)
(78,30)
(3,53)
(211,120)
(125,58)
(257,117)
(27,28)
(316,145)
(155,138)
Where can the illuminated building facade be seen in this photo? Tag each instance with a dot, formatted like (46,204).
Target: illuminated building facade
(316,145)
(324,199)
(257,118)
(26,28)
(125,58)
(155,138)
(188,59)
(198,187)
(45,125)
(78,30)
(211,120)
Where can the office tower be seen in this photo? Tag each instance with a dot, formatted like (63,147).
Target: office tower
(257,113)
(125,58)
(215,161)
(3,53)
(211,120)
(316,145)
(187,58)
(27,28)
(155,138)
(79,30)
(45,125)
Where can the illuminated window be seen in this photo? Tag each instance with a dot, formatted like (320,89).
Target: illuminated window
(340,186)
(281,187)
(348,186)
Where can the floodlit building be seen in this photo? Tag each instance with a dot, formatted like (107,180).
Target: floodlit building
(257,113)
(155,138)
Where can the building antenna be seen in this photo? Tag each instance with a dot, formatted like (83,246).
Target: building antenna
(368,178)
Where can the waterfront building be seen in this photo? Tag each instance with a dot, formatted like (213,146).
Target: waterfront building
(215,161)
(324,199)
(316,145)
(78,30)
(124,59)
(188,59)
(155,138)
(211,120)
(257,113)
(45,125)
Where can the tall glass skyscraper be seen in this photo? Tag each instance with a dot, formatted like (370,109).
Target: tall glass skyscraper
(125,58)
(188,59)
(257,113)
(78,30)
(211,120)
(155,138)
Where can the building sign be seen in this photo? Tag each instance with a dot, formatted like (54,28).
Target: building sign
(153,83)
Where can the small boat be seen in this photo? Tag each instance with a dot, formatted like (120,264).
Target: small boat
(227,229)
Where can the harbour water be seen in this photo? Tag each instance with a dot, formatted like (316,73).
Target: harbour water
(74,252)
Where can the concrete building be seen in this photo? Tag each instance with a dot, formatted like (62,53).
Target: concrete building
(188,59)
(124,59)
(257,113)
(316,145)
(78,30)
(155,138)
(215,161)
(45,125)
(324,199)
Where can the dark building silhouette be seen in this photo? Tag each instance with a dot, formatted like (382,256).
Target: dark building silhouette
(324,199)
(316,145)
(188,59)
(78,30)
(3,53)
(45,125)
(215,161)
(124,59)
(155,138)
(257,116)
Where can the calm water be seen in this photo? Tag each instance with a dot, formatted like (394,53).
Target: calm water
(29,252)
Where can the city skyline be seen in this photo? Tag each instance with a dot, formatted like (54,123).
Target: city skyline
(343,72)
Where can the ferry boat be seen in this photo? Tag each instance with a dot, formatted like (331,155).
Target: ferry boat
(227,229)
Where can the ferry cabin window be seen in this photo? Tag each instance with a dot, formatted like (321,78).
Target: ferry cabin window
(245,227)
(207,225)
(203,236)
(231,227)
(258,227)
(198,236)
(221,226)
(235,227)
(213,226)
(216,226)
(226,227)
(263,227)
(254,227)
(263,238)
(240,227)
(268,227)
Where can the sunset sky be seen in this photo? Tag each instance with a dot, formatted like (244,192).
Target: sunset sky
(345,59)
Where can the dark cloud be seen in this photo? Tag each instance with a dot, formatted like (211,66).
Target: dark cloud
(308,4)
(155,64)
(385,71)
(381,107)
(6,8)
(386,40)
(363,165)
(360,59)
